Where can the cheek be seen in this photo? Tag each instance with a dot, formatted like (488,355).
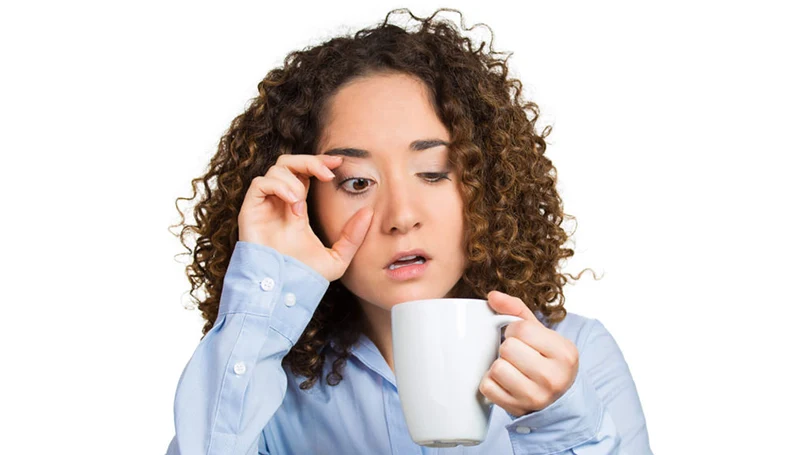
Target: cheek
(450,208)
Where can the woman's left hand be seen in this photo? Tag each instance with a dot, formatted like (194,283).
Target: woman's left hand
(536,365)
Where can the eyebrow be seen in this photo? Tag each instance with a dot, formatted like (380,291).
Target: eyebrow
(415,146)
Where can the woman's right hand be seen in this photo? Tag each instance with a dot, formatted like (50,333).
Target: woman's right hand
(274,214)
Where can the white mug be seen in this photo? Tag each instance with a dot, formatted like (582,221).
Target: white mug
(441,350)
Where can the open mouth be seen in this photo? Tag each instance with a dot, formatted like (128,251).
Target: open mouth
(406,261)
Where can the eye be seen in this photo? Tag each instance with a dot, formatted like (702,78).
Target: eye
(364,183)
(435,177)
(360,180)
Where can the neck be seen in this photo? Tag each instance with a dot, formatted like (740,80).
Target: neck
(377,328)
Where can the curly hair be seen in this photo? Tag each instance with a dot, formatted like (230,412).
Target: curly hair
(513,214)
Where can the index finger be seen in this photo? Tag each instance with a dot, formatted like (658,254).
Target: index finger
(304,166)
(507,304)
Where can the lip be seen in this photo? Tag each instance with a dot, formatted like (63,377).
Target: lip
(407,272)
(402,254)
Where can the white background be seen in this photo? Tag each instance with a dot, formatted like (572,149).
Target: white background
(679,136)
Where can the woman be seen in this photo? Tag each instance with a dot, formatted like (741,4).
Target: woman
(357,153)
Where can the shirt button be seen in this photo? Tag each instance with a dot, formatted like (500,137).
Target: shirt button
(267,284)
(289,299)
(239,368)
(523,430)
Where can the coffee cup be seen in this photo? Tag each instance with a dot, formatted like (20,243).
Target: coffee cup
(442,348)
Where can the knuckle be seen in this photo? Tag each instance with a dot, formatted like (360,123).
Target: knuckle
(283,171)
(513,328)
(260,182)
(499,367)
(571,354)
(486,386)
(556,383)
(293,191)
(298,188)
(508,348)
(536,402)
(542,400)
(522,330)
(574,357)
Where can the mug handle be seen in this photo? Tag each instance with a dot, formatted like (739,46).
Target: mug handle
(499,321)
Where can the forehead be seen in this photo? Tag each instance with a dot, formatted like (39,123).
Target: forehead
(382,112)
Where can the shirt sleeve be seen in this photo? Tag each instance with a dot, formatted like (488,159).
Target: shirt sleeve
(600,414)
(234,381)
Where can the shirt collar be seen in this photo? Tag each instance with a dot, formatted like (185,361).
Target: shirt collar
(367,353)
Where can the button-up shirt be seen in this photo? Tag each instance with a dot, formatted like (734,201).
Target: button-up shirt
(235,397)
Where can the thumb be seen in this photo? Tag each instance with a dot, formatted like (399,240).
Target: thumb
(353,235)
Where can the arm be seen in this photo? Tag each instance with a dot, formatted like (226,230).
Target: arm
(234,382)
(600,414)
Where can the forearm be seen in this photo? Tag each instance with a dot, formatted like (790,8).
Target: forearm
(234,381)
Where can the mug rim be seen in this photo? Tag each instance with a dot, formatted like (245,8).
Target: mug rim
(454,300)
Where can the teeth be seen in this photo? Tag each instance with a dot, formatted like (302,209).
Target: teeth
(407,258)
(394,266)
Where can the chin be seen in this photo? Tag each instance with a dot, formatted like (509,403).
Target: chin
(395,293)
(392,299)
(418,295)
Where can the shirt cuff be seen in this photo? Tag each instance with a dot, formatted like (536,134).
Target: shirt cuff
(262,281)
(571,420)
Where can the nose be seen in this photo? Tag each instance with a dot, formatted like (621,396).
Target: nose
(399,207)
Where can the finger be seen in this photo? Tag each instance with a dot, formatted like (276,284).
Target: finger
(547,342)
(512,380)
(526,359)
(506,304)
(490,389)
(331,161)
(261,187)
(352,236)
(296,171)
(305,166)
(290,180)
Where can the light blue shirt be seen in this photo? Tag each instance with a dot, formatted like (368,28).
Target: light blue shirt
(235,397)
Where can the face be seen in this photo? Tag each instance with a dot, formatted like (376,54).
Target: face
(414,194)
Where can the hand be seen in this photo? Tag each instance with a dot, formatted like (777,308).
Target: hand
(274,214)
(536,365)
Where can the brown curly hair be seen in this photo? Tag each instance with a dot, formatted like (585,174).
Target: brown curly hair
(513,214)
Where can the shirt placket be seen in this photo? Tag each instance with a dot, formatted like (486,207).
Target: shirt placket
(400,441)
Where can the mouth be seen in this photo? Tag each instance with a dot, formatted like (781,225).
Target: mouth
(416,260)
(408,268)
(407,258)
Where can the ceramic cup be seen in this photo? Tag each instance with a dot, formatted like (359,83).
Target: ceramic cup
(441,350)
